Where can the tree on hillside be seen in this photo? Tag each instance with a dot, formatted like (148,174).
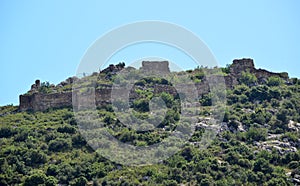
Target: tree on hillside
(248,79)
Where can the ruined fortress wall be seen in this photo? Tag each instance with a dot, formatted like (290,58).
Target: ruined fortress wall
(241,65)
(247,65)
(40,102)
(157,66)
(261,73)
(98,97)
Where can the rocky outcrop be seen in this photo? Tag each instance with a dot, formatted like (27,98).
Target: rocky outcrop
(35,86)
(293,126)
(281,147)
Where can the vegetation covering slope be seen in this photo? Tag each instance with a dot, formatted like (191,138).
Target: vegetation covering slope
(258,143)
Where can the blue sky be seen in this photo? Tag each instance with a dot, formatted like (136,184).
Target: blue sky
(46,39)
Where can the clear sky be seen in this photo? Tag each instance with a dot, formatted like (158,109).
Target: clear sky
(46,39)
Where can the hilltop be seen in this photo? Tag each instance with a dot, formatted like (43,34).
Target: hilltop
(257,144)
(43,96)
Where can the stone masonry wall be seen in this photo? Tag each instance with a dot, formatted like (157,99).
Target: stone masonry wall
(41,102)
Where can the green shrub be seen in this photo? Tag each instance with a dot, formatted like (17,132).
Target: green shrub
(51,181)
(81,181)
(52,170)
(78,141)
(276,181)
(66,129)
(282,116)
(33,157)
(6,132)
(21,136)
(141,105)
(259,93)
(256,134)
(35,179)
(293,164)
(45,87)
(262,165)
(59,145)
(248,79)
(206,100)
(274,81)
(233,124)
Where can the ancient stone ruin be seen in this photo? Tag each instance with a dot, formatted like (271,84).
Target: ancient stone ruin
(41,101)
(247,65)
(155,66)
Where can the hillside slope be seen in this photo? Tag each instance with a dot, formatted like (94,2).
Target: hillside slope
(258,143)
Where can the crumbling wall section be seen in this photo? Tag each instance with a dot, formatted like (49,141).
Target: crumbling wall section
(37,101)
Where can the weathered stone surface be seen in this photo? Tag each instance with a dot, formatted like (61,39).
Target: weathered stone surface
(293,126)
(155,66)
(41,102)
(35,86)
(282,147)
(247,65)
(241,65)
(113,68)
